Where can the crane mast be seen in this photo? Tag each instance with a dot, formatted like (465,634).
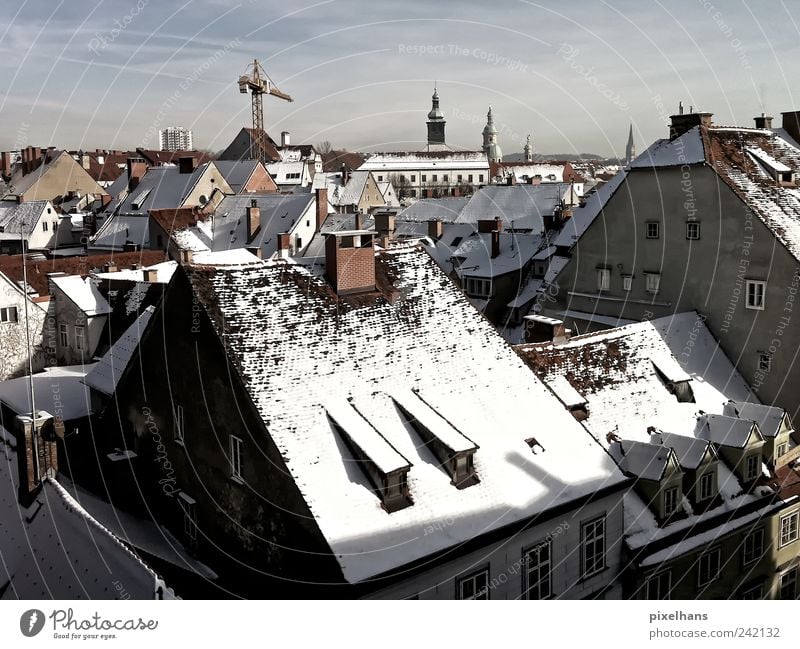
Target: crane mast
(259,84)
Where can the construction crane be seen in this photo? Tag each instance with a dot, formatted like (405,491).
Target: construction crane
(259,83)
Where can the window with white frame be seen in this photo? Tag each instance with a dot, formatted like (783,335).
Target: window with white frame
(752,466)
(755,294)
(789,528)
(659,586)
(593,546)
(705,486)
(652,229)
(764,362)
(753,546)
(708,567)
(63,335)
(752,593)
(783,447)
(627,282)
(473,586)
(80,338)
(179,425)
(652,282)
(8,314)
(45,226)
(670,500)
(693,230)
(236,457)
(538,566)
(789,584)
(477,287)
(603,279)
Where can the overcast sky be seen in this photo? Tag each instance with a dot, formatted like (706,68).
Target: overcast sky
(574,75)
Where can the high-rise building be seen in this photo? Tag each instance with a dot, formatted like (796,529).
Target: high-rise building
(175,138)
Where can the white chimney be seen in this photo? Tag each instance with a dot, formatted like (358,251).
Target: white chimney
(285,139)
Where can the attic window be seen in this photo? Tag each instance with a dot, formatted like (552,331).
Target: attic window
(456,241)
(534,445)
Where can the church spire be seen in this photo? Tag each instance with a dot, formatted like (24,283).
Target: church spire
(630,148)
(436,120)
(528,150)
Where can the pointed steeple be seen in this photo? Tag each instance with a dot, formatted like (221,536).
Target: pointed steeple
(490,146)
(436,120)
(528,150)
(630,148)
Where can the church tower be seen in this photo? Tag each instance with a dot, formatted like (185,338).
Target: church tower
(436,123)
(490,146)
(528,150)
(630,148)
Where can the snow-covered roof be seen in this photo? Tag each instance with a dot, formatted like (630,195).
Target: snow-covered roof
(164,272)
(83,292)
(687,148)
(431,340)
(16,218)
(689,451)
(57,390)
(475,254)
(340,194)
(55,549)
(641,459)
(434,209)
(563,389)
(725,430)
(768,418)
(120,229)
(105,374)
(426,160)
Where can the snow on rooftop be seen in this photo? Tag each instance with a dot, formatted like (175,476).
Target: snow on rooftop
(83,292)
(233,257)
(768,418)
(164,272)
(59,391)
(563,389)
(105,375)
(767,160)
(687,148)
(442,429)
(432,340)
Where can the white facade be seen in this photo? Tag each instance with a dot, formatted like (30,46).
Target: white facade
(175,138)
(13,343)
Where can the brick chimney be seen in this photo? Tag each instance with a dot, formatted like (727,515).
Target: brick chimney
(683,122)
(37,454)
(5,164)
(764,121)
(350,261)
(322,206)
(285,139)
(186,256)
(791,123)
(385,223)
(187,164)
(253,219)
(150,275)
(359,221)
(435,229)
(489,225)
(136,169)
(495,243)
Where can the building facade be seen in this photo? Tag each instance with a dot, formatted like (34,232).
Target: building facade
(175,138)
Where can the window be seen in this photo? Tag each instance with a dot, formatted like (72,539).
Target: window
(435,177)
(652,229)
(460,178)
(652,282)
(8,314)
(45,226)
(187,505)
(380,178)
(705,486)
(537,571)
(752,466)
(603,279)
(753,547)
(80,338)
(764,362)
(755,294)
(789,584)
(63,336)
(424,178)
(693,230)
(477,287)
(474,586)
(236,457)
(670,500)
(781,450)
(789,528)
(179,425)
(55,226)
(444,178)
(470,177)
(627,282)
(593,546)
(480,178)
(754,592)
(659,586)
(708,567)
(413,178)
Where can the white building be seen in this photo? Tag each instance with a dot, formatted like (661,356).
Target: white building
(175,138)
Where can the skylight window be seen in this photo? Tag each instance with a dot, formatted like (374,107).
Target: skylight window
(534,445)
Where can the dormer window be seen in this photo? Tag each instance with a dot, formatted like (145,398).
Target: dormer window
(752,466)
(705,486)
(671,496)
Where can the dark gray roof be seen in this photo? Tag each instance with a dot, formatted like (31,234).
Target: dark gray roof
(160,188)
(236,172)
(768,418)
(641,459)
(690,451)
(727,431)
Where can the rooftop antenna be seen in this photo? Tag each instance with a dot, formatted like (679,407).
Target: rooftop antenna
(680,108)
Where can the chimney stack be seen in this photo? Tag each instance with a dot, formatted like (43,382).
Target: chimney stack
(495,243)
(350,261)
(345,174)
(435,229)
(253,219)
(385,223)
(284,243)
(187,164)
(136,169)
(186,256)
(489,225)
(322,206)
(359,221)
(150,275)
(285,139)
(37,453)
(764,121)
(683,122)
(791,124)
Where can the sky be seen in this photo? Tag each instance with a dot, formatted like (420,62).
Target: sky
(574,75)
